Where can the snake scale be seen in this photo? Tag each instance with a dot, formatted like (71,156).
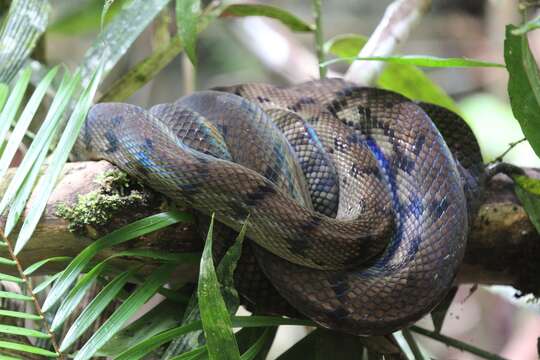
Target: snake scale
(358,206)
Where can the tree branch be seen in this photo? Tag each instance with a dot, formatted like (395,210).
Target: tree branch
(503,246)
(393,29)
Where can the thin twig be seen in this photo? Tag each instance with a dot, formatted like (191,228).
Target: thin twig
(510,147)
(319,40)
(456,343)
(397,22)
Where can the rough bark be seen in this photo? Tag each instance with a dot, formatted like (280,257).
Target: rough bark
(503,246)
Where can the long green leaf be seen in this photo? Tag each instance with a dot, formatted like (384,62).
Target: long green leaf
(45,283)
(26,21)
(423,61)
(194,354)
(4,92)
(15,330)
(42,140)
(523,85)
(95,308)
(220,340)
(24,121)
(23,194)
(161,255)
(187,18)
(258,321)
(10,278)
(119,35)
(106,6)
(286,18)
(145,347)
(405,79)
(27,348)
(413,83)
(58,158)
(13,103)
(76,295)
(166,315)
(148,345)
(20,315)
(225,275)
(4,261)
(37,265)
(15,296)
(125,311)
(126,233)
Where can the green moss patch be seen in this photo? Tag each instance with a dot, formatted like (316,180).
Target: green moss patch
(98,207)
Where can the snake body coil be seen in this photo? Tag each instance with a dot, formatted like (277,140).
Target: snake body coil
(358,210)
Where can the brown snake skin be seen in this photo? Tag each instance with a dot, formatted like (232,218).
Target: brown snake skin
(358,210)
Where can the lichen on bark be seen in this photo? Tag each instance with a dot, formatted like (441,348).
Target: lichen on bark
(96,208)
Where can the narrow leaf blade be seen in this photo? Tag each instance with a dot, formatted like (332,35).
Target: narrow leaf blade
(24,121)
(27,348)
(424,61)
(187,18)
(94,309)
(125,311)
(126,233)
(58,159)
(221,343)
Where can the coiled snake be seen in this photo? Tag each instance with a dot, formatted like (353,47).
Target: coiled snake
(358,211)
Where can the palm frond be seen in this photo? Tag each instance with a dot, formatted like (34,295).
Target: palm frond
(26,21)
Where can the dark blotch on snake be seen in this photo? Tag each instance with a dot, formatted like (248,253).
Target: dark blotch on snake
(263,99)
(299,245)
(117,120)
(365,112)
(404,162)
(339,285)
(304,100)
(242,213)
(369,170)
(354,139)
(336,106)
(113,141)
(340,313)
(259,194)
(149,144)
(419,144)
(313,223)
(189,188)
